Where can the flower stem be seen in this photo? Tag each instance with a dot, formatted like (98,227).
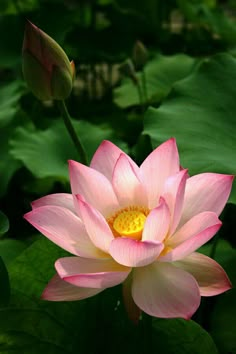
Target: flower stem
(140,95)
(67,121)
(144,84)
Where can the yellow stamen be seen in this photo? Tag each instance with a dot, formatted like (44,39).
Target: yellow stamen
(128,222)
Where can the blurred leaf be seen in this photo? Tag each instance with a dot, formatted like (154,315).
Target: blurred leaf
(179,336)
(161,73)
(4,285)
(206,14)
(8,165)
(10,249)
(16,7)
(45,153)
(10,117)
(10,95)
(4,223)
(151,14)
(200,113)
(12,30)
(57,25)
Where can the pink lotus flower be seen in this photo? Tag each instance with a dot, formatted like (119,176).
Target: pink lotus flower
(137,225)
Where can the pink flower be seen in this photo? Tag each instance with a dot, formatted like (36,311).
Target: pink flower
(137,225)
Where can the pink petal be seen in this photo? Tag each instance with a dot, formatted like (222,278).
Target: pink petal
(163,290)
(205,192)
(157,223)
(64,200)
(133,253)
(126,184)
(60,290)
(96,226)
(193,227)
(211,277)
(173,194)
(63,228)
(192,243)
(87,273)
(93,186)
(160,164)
(105,158)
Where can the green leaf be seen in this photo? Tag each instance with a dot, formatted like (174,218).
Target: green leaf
(200,114)
(4,284)
(10,117)
(63,327)
(10,95)
(178,336)
(10,249)
(8,165)
(45,153)
(4,223)
(33,326)
(223,319)
(161,72)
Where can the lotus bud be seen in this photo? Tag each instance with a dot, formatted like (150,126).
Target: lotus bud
(127,69)
(46,67)
(140,55)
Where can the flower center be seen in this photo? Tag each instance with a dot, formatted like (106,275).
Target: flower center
(129,222)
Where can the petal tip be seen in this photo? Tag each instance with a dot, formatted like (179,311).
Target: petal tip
(26,216)
(44,296)
(72,163)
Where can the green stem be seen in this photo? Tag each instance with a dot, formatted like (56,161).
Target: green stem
(144,85)
(140,95)
(67,120)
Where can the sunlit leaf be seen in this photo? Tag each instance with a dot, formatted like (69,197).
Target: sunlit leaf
(45,153)
(200,113)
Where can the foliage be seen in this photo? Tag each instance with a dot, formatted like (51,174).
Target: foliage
(185,90)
